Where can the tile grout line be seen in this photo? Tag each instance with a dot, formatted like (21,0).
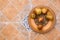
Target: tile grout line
(3,14)
(17,9)
(30,2)
(35,36)
(5,8)
(17,30)
(53,4)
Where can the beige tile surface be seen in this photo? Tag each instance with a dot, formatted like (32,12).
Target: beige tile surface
(3,3)
(12,13)
(2,37)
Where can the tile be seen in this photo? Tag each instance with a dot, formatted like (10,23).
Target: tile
(21,29)
(57,37)
(40,37)
(40,2)
(56,3)
(14,23)
(23,32)
(3,3)
(20,4)
(23,13)
(3,18)
(33,35)
(25,23)
(2,37)
(16,18)
(2,26)
(52,34)
(9,32)
(20,37)
(10,11)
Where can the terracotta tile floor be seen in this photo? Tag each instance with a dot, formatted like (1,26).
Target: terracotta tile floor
(12,13)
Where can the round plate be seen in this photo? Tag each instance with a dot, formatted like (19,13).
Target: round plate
(47,27)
